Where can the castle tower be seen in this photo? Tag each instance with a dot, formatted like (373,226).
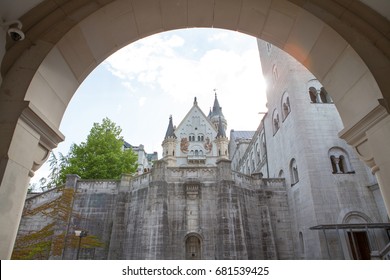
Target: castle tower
(322,172)
(169,144)
(222,141)
(216,115)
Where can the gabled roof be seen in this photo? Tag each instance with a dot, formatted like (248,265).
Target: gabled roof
(195,106)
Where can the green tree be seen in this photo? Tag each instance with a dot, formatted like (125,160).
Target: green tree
(101,157)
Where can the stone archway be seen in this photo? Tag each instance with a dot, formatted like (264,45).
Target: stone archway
(344,46)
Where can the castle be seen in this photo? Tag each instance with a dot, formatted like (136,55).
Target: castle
(289,190)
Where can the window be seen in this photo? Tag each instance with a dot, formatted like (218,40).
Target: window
(275,121)
(313,95)
(275,74)
(317,92)
(263,147)
(269,48)
(339,161)
(325,97)
(257,153)
(285,106)
(294,172)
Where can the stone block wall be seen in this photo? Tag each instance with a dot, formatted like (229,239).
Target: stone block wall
(176,213)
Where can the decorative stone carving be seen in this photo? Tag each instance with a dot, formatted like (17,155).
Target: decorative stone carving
(208,145)
(192,191)
(184,145)
(356,136)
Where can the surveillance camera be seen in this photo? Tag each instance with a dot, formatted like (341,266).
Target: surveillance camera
(14,29)
(15,34)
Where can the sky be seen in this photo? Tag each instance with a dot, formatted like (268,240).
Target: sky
(142,84)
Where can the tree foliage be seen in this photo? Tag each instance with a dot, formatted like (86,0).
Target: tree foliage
(101,156)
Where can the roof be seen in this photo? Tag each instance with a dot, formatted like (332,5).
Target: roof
(237,135)
(217,109)
(170,129)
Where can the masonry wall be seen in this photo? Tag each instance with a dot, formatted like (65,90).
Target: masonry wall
(307,135)
(232,220)
(152,216)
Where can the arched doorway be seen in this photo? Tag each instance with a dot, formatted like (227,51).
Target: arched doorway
(193,247)
(65,42)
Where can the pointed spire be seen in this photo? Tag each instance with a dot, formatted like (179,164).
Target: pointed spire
(221,130)
(217,110)
(195,101)
(170,130)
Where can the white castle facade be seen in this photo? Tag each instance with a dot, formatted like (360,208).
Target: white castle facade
(329,189)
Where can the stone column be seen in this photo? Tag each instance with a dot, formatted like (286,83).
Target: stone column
(30,143)
(371,139)
(336,162)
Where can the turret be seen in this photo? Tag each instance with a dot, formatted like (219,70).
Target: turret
(169,144)
(216,115)
(222,141)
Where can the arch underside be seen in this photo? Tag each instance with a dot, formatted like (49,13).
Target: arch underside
(79,36)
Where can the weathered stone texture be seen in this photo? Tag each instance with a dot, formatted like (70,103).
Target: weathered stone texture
(144,218)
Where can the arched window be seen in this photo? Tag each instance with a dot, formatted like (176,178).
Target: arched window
(275,121)
(334,163)
(313,94)
(263,146)
(325,97)
(294,176)
(285,105)
(269,48)
(281,174)
(339,161)
(257,153)
(275,74)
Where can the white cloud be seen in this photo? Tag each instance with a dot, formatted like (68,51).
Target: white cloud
(161,64)
(142,101)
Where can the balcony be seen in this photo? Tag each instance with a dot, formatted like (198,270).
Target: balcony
(197,159)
